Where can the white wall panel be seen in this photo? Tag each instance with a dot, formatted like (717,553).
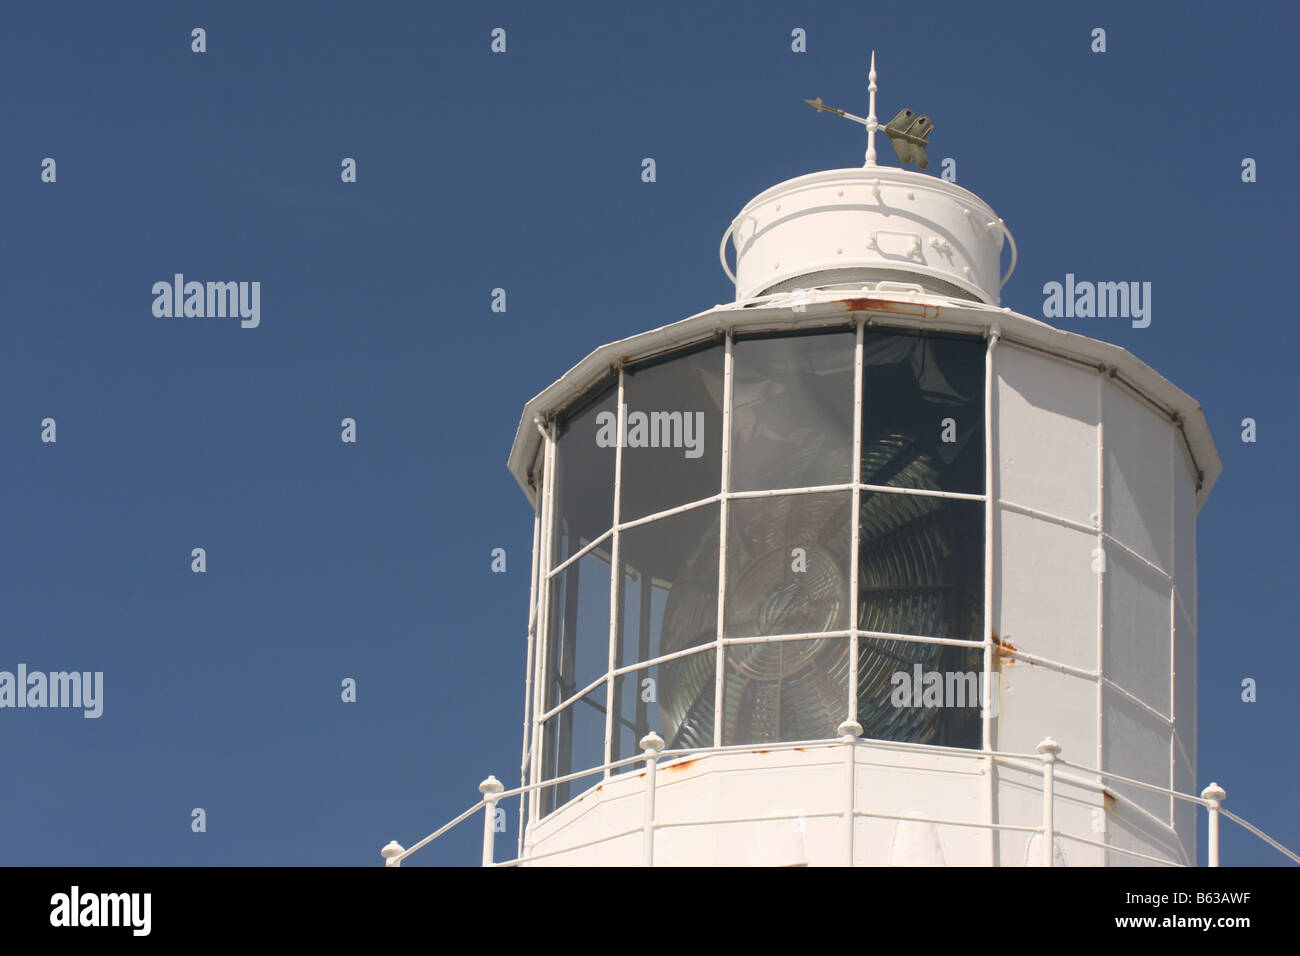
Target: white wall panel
(1049,604)
(1136,744)
(1139,496)
(1046,415)
(1138,632)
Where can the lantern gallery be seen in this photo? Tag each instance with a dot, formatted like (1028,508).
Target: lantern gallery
(652,430)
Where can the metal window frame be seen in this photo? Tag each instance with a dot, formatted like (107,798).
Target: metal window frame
(853,634)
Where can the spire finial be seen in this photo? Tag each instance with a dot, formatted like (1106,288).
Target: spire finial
(872,123)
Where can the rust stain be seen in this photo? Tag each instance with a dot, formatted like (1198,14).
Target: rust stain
(1003,651)
(863,304)
(762,751)
(1108,800)
(682,765)
(802,750)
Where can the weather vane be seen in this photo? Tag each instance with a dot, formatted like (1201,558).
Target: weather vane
(907,132)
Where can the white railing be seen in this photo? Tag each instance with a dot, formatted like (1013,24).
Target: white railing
(1047,759)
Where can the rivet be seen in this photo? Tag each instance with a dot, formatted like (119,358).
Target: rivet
(839,252)
(910,194)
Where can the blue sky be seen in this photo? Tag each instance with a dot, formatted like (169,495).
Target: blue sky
(522,171)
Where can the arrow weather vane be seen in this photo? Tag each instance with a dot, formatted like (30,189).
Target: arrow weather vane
(907,132)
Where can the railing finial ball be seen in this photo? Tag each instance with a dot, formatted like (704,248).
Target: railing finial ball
(1048,746)
(1214,792)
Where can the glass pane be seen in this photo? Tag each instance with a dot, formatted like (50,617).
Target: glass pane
(672,452)
(584,474)
(923,412)
(675,700)
(578,639)
(785,690)
(792,411)
(920,693)
(670,585)
(921,566)
(687,690)
(573,740)
(788,564)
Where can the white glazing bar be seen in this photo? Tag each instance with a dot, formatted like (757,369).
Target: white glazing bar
(783,638)
(614,573)
(990,496)
(580,693)
(665,658)
(922,492)
(547,551)
(782,492)
(579,554)
(1100,556)
(918,638)
(637,522)
(528,672)
(727,364)
(855,519)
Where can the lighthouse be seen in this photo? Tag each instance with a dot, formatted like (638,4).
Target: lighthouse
(863,567)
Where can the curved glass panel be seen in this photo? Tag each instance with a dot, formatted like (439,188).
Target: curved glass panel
(784,690)
(920,556)
(578,645)
(674,699)
(670,585)
(920,572)
(584,473)
(920,693)
(788,564)
(923,412)
(921,566)
(792,414)
(573,740)
(672,451)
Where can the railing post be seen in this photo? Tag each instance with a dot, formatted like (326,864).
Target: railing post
(391,852)
(1216,795)
(651,745)
(489,788)
(849,732)
(1049,748)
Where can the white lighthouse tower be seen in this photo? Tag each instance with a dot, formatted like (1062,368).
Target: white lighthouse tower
(862,568)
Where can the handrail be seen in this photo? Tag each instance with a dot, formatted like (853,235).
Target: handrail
(1046,758)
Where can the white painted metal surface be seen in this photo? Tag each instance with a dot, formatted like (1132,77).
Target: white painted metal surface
(878,222)
(1095,467)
